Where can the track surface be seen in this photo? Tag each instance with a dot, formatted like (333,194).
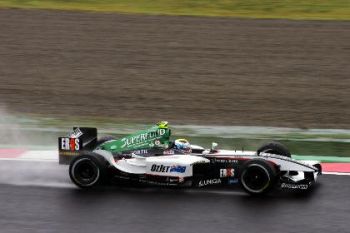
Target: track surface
(183,69)
(38,197)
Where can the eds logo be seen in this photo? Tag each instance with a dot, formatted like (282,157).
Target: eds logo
(69,144)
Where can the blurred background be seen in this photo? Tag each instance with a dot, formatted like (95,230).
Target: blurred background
(237,72)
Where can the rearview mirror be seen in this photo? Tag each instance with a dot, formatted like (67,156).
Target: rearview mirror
(214,145)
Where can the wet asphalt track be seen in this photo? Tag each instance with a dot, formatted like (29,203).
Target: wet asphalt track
(38,197)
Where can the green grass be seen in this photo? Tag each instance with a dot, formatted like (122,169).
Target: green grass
(35,131)
(39,139)
(288,9)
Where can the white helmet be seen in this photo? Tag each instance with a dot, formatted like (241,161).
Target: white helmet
(183,145)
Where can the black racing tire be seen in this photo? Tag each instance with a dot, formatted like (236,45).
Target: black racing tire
(88,170)
(275,148)
(258,177)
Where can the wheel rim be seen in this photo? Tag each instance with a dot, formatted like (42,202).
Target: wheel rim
(255,178)
(85,172)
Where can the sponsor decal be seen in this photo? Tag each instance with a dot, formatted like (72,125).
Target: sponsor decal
(160,168)
(141,138)
(141,152)
(209,182)
(176,179)
(227,172)
(233,181)
(158,183)
(173,180)
(170,169)
(76,133)
(168,152)
(157,142)
(70,144)
(68,153)
(178,169)
(226,161)
(294,186)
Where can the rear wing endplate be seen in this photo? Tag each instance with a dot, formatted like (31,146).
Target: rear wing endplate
(80,139)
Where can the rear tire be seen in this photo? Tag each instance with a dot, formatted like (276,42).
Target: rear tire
(88,170)
(274,148)
(258,176)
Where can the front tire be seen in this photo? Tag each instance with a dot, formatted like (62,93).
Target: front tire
(274,148)
(258,176)
(88,170)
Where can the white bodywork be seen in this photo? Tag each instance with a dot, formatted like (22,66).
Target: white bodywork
(167,165)
(181,165)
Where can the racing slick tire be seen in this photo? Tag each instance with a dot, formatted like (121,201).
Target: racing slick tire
(88,170)
(258,176)
(274,148)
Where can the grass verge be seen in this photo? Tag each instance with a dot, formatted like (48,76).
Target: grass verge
(35,130)
(287,9)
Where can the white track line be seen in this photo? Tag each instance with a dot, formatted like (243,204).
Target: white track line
(30,160)
(337,173)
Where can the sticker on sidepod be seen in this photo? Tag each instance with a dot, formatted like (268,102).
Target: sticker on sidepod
(168,169)
(227,172)
(209,182)
(233,181)
(178,169)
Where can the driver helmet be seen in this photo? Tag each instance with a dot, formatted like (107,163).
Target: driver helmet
(183,145)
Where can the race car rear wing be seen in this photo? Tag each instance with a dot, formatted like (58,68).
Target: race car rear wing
(80,139)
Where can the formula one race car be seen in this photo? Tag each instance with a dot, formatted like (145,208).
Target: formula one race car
(147,157)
